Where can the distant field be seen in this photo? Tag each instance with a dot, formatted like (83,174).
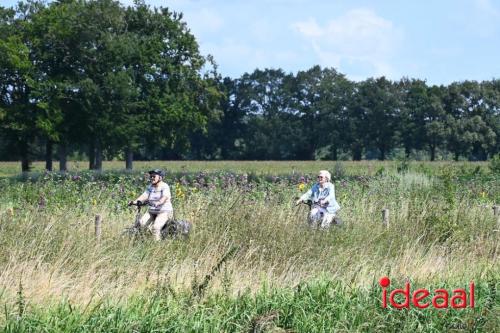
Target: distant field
(258,167)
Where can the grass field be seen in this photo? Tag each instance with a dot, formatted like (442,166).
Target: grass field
(8,169)
(251,263)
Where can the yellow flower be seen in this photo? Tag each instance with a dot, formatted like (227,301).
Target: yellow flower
(179,193)
(94,202)
(483,194)
(302,186)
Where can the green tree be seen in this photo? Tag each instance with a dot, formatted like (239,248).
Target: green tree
(415,101)
(56,45)
(20,108)
(265,97)
(375,116)
(175,97)
(470,108)
(435,128)
(322,97)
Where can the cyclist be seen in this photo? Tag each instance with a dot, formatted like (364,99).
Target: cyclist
(160,208)
(324,205)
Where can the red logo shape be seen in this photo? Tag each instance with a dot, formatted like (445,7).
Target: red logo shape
(384,282)
(440,298)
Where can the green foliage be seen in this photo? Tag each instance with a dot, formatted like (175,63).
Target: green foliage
(318,306)
(251,262)
(114,81)
(339,171)
(495,164)
(403,166)
(380,171)
(101,76)
(439,226)
(449,186)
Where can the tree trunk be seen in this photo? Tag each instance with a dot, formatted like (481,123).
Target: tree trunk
(48,155)
(312,152)
(457,155)
(484,154)
(92,156)
(129,157)
(98,156)
(407,152)
(356,154)
(63,158)
(335,153)
(433,152)
(25,161)
(382,154)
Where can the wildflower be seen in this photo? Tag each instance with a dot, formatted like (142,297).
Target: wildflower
(302,186)
(94,202)
(179,193)
(483,194)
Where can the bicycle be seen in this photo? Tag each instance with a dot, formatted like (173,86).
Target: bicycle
(337,221)
(172,229)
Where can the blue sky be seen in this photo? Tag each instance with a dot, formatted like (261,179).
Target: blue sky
(440,41)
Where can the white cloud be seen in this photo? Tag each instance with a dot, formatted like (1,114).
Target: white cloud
(199,19)
(237,56)
(360,38)
(309,28)
(204,20)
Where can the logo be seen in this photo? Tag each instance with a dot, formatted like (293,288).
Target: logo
(423,298)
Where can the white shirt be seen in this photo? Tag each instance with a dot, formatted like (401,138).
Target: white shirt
(154,195)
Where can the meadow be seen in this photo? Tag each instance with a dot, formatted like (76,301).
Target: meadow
(251,263)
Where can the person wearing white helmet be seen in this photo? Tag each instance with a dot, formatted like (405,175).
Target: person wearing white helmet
(158,197)
(324,205)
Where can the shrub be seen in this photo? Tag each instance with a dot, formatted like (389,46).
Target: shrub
(495,164)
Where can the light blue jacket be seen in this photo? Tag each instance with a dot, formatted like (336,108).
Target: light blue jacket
(327,193)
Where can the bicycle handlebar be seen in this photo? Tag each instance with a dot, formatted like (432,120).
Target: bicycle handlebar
(310,203)
(139,203)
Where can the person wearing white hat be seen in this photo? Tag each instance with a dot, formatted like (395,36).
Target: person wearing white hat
(324,205)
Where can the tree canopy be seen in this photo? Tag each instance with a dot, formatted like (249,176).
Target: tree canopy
(104,80)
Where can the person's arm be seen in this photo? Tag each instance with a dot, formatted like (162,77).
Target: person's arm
(143,197)
(304,197)
(331,196)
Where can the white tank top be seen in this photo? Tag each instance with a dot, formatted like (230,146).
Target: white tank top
(155,194)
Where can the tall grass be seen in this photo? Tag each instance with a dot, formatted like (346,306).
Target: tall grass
(318,306)
(251,261)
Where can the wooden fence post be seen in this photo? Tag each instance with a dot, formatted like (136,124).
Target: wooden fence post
(98,229)
(496,213)
(385,217)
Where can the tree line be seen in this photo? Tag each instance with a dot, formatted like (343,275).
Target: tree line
(102,80)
